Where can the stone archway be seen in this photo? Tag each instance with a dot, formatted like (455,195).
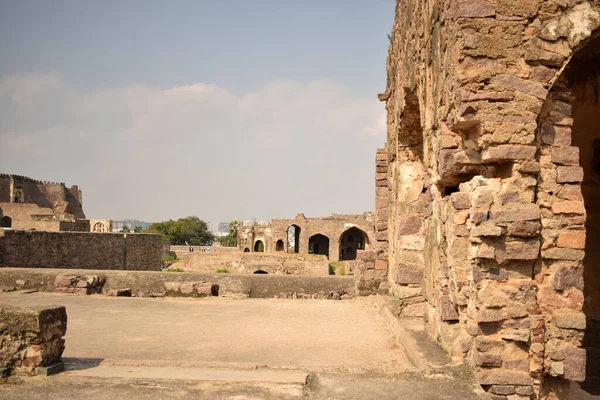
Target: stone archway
(351,241)
(279,246)
(259,246)
(318,244)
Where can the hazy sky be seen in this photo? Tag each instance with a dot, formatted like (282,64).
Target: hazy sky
(221,109)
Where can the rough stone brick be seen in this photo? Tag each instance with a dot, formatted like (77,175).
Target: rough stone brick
(575,361)
(447,309)
(506,152)
(472,9)
(488,360)
(567,277)
(381,264)
(569,174)
(514,212)
(565,155)
(409,225)
(489,315)
(518,250)
(407,275)
(568,207)
(502,389)
(563,253)
(569,320)
(524,229)
(461,200)
(500,376)
(572,239)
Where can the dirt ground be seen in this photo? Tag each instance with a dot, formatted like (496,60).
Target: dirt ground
(141,348)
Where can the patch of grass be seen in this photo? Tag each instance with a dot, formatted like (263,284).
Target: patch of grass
(337,268)
(222,271)
(170,259)
(174,269)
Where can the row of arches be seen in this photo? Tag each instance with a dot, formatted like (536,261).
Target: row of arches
(350,242)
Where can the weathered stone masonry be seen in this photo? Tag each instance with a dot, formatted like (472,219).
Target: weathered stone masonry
(83,250)
(31,338)
(493,171)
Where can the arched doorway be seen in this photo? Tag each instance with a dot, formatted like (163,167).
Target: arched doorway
(246,250)
(99,227)
(318,244)
(293,239)
(5,222)
(259,246)
(351,241)
(260,272)
(279,245)
(570,148)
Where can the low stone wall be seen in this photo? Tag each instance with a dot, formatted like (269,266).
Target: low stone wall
(184,251)
(83,250)
(248,263)
(182,284)
(31,338)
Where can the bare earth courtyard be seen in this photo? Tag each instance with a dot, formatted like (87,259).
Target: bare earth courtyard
(232,348)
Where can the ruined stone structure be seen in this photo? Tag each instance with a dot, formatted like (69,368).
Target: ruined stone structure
(489,184)
(31,339)
(338,237)
(26,203)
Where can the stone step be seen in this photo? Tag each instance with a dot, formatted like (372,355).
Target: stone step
(184,373)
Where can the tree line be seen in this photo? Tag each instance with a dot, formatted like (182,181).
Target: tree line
(190,231)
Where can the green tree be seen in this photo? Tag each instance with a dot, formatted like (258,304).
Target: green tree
(138,229)
(189,230)
(125,229)
(230,240)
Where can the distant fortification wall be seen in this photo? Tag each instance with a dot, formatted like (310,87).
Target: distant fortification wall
(35,249)
(52,195)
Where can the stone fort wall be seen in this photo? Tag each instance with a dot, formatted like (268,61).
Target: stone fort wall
(78,250)
(491,154)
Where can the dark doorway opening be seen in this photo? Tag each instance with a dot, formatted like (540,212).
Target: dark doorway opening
(5,222)
(279,245)
(259,246)
(318,244)
(351,241)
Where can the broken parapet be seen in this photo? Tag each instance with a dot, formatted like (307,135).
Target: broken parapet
(31,339)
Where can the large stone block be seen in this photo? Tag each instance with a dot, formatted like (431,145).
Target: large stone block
(575,361)
(572,239)
(524,229)
(568,207)
(569,174)
(569,319)
(567,277)
(516,212)
(500,376)
(407,275)
(565,155)
(507,152)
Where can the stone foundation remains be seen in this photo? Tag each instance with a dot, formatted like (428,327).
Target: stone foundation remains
(31,338)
